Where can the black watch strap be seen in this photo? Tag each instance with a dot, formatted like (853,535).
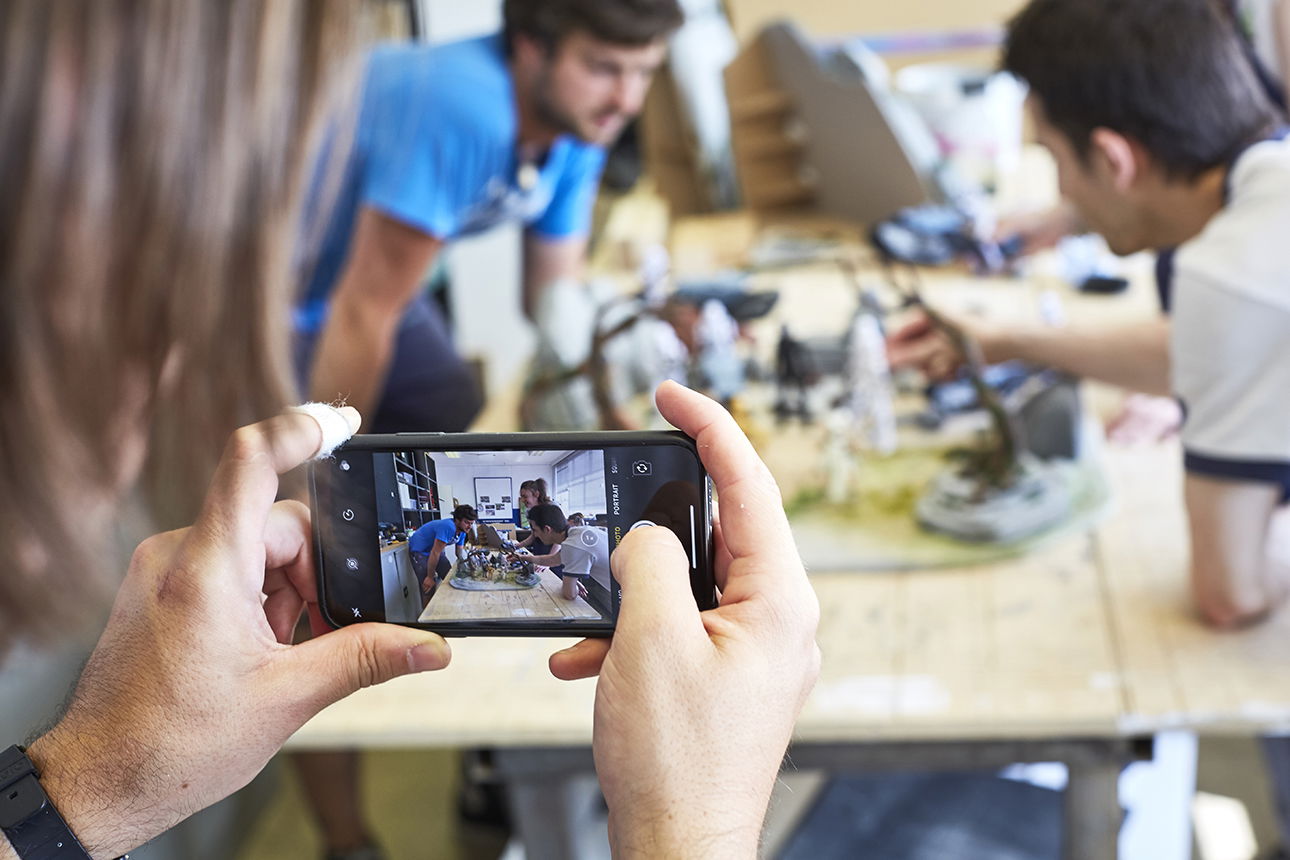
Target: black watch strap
(27,817)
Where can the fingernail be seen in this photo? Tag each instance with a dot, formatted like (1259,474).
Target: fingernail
(428,656)
(354,419)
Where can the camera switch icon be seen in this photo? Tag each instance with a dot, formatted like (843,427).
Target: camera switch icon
(642,468)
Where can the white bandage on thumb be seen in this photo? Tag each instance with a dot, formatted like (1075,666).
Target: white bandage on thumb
(336,428)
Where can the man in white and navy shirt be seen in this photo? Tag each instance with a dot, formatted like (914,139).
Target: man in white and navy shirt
(578,552)
(1164,137)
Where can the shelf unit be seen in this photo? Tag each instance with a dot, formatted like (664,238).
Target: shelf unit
(418,489)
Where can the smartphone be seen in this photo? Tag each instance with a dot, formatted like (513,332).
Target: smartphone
(429,529)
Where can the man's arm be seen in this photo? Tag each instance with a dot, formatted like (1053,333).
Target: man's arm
(1237,573)
(549,560)
(153,734)
(433,562)
(549,260)
(387,261)
(1133,356)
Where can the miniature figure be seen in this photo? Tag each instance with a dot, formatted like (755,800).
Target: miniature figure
(796,372)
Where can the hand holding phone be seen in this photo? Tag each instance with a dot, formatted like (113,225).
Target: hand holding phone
(193,685)
(694,709)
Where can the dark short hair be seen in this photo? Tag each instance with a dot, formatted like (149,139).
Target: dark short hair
(1169,74)
(548,516)
(464,512)
(620,22)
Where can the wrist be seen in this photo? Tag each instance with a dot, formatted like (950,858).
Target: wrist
(682,838)
(687,828)
(997,345)
(71,774)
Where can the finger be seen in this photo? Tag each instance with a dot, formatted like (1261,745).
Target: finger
(721,564)
(287,535)
(929,354)
(329,667)
(752,508)
(940,368)
(246,480)
(582,660)
(282,608)
(289,583)
(916,328)
(653,571)
(317,624)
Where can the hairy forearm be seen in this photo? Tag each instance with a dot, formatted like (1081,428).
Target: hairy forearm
(1134,357)
(94,788)
(684,833)
(354,355)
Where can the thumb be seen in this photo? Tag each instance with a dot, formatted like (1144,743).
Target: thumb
(654,573)
(329,667)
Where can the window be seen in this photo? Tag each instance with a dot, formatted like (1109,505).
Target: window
(580,483)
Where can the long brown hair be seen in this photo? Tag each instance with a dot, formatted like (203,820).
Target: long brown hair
(152,154)
(538,486)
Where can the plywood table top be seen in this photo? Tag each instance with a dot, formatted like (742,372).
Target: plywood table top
(1090,637)
(544,600)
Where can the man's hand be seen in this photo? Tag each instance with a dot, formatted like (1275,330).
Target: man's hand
(920,344)
(1145,420)
(193,687)
(694,710)
(1039,230)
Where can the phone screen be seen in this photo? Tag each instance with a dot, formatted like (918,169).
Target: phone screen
(470,535)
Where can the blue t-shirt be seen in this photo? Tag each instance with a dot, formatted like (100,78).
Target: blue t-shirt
(435,148)
(423,539)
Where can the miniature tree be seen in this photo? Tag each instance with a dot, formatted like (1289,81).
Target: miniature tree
(996,463)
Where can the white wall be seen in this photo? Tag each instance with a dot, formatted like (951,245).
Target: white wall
(461,480)
(446,20)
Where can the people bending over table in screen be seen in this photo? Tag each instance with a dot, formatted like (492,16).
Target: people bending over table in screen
(581,551)
(532,494)
(429,562)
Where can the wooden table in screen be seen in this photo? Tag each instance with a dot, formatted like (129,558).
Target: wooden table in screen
(1083,652)
(544,600)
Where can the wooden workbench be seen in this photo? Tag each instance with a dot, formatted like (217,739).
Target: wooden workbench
(1080,652)
(544,600)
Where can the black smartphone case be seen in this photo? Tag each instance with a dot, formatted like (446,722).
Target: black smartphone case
(703,581)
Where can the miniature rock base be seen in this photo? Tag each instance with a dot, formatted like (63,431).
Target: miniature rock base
(1039,500)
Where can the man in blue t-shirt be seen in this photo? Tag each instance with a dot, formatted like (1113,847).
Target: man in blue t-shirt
(427,545)
(450,141)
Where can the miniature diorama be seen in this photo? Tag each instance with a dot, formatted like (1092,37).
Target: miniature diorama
(603,351)
(885,472)
(482,569)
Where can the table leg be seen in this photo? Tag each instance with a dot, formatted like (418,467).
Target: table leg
(1276,754)
(554,798)
(1093,814)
